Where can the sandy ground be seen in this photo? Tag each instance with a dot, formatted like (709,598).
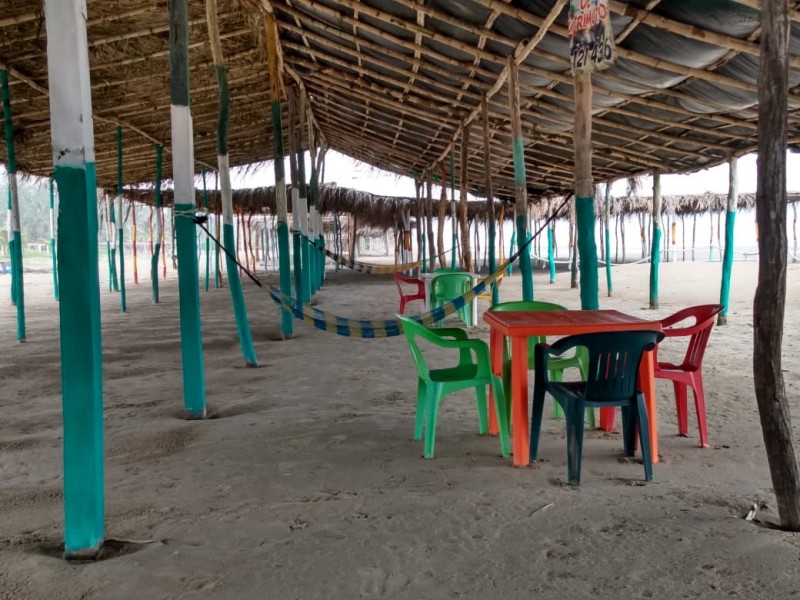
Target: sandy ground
(309,484)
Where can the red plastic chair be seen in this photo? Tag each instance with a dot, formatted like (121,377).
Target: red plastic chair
(404,297)
(689,372)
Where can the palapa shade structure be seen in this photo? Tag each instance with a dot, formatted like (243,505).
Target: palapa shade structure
(396,84)
(392,83)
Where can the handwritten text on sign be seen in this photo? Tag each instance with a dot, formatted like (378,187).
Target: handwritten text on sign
(590,35)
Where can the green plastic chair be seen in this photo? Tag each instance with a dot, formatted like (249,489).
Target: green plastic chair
(555,365)
(473,370)
(447,287)
(614,360)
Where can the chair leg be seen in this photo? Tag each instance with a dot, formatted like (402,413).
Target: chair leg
(432,411)
(574,413)
(536,421)
(483,420)
(557,375)
(629,430)
(420,420)
(700,407)
(644,437)
(680,404)
(501,407)
(402,306)
(590,418)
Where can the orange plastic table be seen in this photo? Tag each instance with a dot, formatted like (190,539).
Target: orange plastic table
(519,325)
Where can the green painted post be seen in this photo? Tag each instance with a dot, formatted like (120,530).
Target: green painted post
(53,239)
(655,249)
(217,280)
(490,208)
(208,241)
(113,245)
(727,258)
(608,238)
(226,194)
(194,389)
(11,167)
(511,246)
(287,325)
(318,257)
(121,224)
(107,227)
(158,233)
(81,355)
(587,250)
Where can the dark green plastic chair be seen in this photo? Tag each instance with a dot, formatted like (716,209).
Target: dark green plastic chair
(556,366)
(614,360)
(473,370)
(448,286)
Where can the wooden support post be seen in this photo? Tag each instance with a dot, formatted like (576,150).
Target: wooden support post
(727,259)
(466,251)
(285,273)
(18,293)
(609,285)
(134,241)
(158,234)
(208,240)
(490,216)
(53,254)
(194,389)
(551,259)
(584,191)
(429,224)
(770,298)
(520,180)
(655,248)
(440,223)
(81,354)
(297,236)
(453,215)
(120,225)
(226,195)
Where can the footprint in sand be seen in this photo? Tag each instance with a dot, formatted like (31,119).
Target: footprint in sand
(376,583)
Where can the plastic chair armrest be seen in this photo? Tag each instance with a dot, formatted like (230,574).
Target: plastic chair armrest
(452,332)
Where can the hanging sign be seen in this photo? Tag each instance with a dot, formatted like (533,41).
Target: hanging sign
(591,39)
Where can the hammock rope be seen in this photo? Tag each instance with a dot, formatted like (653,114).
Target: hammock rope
(368,329)
(368,268)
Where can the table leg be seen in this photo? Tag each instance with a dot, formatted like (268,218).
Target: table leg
(647,382)
(496,356)
(519,400)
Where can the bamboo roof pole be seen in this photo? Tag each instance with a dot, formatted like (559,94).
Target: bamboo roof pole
(53,254)
(302,200)
(434,254)
(770,298)
(297,252)
(223,162)
(275,62)
(79,306)
(727,259)
(194,390)
(520,189)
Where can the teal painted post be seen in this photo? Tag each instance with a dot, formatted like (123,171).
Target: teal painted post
(121,225)
(11,167)
(587,250)
(608,238)
(285,275)
(53,239)
(551,259)
(112,269)
(511,246)
(520,180)
(727,258)
(81,355)
(12,255)
(113,245)
(303,200)
(655,249)
(158,233)
(317,256)
(490,209)
(194,389)
(453,216)
(208,241)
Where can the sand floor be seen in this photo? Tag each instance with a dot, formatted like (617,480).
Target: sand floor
(309,484)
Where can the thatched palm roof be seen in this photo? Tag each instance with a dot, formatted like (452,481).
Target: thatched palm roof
(391,82)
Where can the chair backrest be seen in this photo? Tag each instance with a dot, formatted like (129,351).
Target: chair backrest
(614,360)
(400,279)
(704,316)
(451,285)
(412,329)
